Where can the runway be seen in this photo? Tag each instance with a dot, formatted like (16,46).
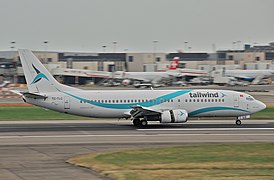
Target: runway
(117,132)
(34,150)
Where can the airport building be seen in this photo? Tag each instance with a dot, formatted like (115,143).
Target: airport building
(256,57)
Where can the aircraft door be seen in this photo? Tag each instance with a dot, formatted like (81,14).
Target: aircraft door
(66,102)
(236,101)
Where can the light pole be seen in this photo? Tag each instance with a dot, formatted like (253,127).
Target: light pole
(154,53)
(45,53)
(254,51)
(155,42)
(12,49)
(114,46)
(104,48)
(185,45)
(12,45)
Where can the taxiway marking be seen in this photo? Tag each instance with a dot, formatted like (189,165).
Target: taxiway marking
(204,129)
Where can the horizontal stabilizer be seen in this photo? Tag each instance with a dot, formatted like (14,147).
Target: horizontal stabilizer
(34,95)
(29,95)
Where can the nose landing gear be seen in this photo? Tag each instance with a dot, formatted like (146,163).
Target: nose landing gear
(239,118)
(238,122)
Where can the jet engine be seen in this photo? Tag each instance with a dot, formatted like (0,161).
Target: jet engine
(126,82)
(174,116)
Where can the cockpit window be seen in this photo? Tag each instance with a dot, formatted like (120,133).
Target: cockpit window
(249,98)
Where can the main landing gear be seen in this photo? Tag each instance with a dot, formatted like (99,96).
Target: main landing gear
(138,122)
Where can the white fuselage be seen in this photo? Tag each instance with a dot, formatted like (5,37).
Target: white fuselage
(156,76)
(118,103)
(249,73)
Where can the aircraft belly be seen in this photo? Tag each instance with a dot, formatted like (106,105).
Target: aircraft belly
(220,113)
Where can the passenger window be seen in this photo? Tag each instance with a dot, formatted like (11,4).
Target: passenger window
(190,100)
(186,100)
(178,100)
(202,100)
(223,100)
(197,100)
(194,100)
(205,100)
(171,100)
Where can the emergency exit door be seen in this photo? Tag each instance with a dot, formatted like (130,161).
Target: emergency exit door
(66,102)
(236,101)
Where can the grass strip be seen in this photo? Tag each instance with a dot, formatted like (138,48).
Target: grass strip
(37,113)
(222,161)
(33,113)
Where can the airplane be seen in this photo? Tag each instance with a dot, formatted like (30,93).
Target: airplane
(155,77)
(165,106)
(253,76)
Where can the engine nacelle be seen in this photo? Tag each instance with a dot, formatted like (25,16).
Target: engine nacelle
(126,82)
(174,116)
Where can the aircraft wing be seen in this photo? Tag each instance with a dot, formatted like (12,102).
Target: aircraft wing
(139,111)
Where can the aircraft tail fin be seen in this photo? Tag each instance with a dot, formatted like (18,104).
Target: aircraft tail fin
(39,79)
(174,63)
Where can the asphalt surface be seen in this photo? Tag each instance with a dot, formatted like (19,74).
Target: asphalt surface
(39,150)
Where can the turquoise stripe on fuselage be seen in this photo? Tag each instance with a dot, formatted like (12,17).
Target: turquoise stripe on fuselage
(209,109)
(153,102)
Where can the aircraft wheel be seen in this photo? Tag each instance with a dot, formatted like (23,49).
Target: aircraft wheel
(238,122)
(136,122)
(144,122)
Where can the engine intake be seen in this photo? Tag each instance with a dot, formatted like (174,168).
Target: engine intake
(174,116)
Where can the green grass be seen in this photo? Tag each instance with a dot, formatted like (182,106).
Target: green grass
(267,113)
(222,161)
(33,113)
(36,113)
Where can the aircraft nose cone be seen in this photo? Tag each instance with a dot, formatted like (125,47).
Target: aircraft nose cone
(262,105)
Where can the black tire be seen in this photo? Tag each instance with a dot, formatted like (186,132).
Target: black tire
(144,123)
(238,122)
(136,122)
